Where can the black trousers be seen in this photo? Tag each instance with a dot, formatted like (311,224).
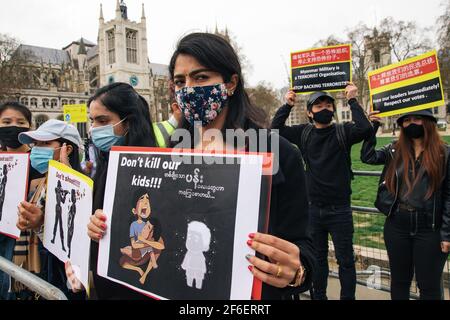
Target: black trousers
(413,247)
(338,222)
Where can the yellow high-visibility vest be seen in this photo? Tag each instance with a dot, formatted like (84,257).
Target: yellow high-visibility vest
(163,131)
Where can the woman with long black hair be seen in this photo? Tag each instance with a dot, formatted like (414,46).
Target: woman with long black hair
(119,117)
(414,194)
(209,88)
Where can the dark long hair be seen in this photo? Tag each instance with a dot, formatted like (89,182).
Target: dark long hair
(432,162)
(17,107)
(123,100)
(216,53)
(74,156)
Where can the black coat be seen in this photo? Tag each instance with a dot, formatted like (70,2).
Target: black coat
(289,214)
(437,207)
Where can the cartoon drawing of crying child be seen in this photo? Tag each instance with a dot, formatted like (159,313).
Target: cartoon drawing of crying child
(194,263)
(146,241)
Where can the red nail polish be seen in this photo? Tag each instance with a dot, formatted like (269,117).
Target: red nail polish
(249,243)
(103,218)
(104,226)
(251,235)
(250,268)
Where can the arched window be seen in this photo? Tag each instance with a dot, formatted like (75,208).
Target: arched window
(82,102)
(376,56)
(64,102)
(111,46)
(54,103)
(33,102)
(40,119)
(45,103)
(72,102)
(24,101)
(131,46)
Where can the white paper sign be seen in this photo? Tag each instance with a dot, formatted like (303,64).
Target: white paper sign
(68,209)
(178,229)
(13,188)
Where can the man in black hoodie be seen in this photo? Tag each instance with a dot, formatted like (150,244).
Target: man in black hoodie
(326,149)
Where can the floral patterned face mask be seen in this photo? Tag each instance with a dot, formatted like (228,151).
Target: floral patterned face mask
(202,103)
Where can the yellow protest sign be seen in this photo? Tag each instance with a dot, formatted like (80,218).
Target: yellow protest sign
(321,69)
(75,113)
(411,85)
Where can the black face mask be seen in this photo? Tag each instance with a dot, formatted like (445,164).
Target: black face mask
(9,136)
(323,117)
(414,131)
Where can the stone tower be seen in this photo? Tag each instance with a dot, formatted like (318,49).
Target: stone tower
(123,53)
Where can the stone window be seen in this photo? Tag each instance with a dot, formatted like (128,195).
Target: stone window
(111,46)
(131,46)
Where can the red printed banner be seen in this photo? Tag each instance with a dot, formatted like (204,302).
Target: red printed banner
(404,72)
(321,55)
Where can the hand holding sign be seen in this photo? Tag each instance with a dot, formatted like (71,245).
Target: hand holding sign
(351,91)
(30,216)
(290,98)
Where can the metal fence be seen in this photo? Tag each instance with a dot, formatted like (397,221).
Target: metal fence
(33,282)
(372,262)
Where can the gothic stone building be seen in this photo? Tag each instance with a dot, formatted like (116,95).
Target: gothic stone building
(71,74)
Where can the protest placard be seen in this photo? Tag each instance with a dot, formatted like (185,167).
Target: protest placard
(321,69)
(411,85)
(179,222)
(68,209)
(75,113)
(13,190)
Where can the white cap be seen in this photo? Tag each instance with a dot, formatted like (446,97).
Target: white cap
(52,130)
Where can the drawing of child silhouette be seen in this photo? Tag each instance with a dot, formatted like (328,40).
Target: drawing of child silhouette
(146,241)
(194,263)
(3,188)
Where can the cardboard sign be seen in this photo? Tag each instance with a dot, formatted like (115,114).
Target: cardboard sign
(13,189)
(179,222)
(411,85)
(75,113)
(68,209)
(322,69)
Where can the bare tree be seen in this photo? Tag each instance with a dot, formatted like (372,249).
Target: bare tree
(360,57)
(407,39)
(443,30)
(265,96)
(14,75)
(330,41)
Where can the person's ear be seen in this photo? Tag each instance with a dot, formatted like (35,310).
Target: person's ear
(69,149)
(232,84)
(134,211)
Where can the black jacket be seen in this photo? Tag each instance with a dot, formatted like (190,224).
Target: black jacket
(328,163)
(437,208)
(289,215)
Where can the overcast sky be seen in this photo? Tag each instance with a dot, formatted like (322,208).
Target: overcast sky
(267,30)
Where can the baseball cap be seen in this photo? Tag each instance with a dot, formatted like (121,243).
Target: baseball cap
(52,130)
(317,95)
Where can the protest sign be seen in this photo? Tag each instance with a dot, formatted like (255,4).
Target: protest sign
(75,113)
(411,85)
(321,69)
(68,210)
(13,190)
(179,222)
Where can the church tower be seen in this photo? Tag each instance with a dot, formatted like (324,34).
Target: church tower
(123,53)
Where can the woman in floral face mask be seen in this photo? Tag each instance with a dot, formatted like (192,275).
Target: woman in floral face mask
(209,89)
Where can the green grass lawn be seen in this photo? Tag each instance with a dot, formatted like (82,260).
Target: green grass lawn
(368,228)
